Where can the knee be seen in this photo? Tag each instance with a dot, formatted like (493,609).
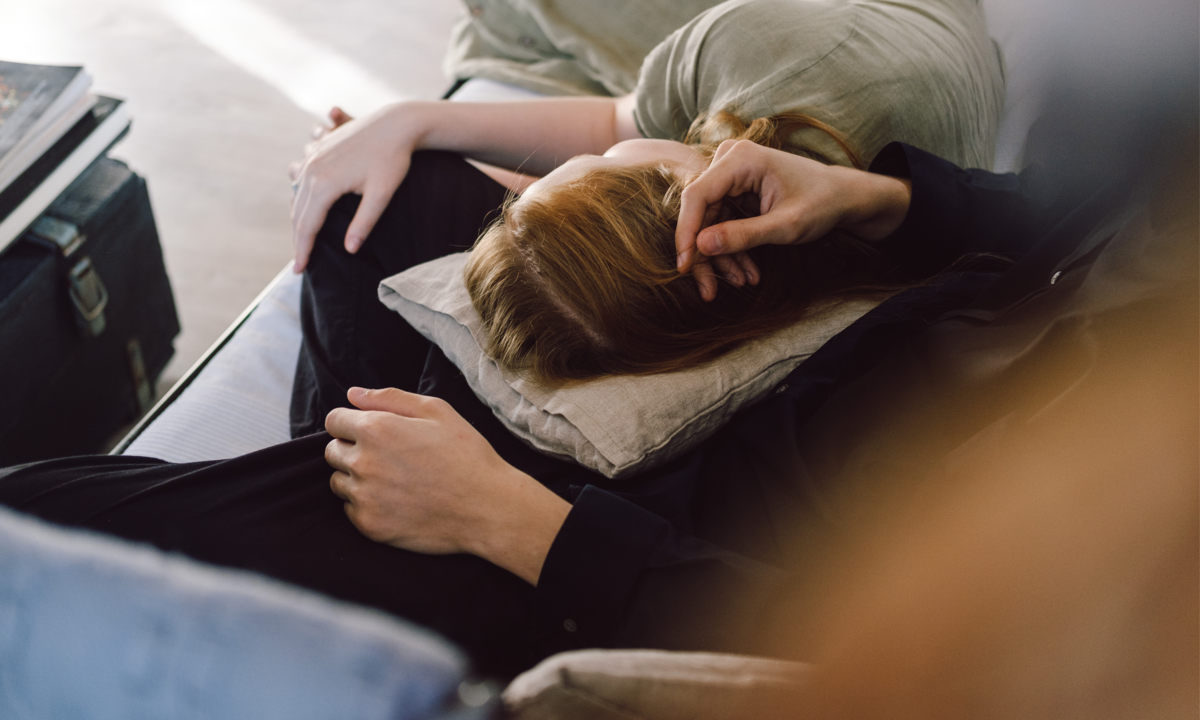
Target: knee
(429,164)
(425,206)
(332,234)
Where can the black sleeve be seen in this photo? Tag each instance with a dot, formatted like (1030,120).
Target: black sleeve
(956,212)
(618,575)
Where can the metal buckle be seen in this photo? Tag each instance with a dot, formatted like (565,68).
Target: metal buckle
(60,232)
(90,297)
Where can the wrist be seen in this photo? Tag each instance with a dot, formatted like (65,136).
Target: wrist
(877,204)
(409,124)
(520,520)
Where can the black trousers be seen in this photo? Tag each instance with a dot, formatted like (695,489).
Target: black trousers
(272,511)
(350,338)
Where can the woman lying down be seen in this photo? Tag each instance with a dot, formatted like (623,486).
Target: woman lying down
(437,512)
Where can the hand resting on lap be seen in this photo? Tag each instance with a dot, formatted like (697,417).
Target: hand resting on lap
(416,475)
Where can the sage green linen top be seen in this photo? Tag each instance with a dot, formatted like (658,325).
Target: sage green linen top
(564,47)
(920,71)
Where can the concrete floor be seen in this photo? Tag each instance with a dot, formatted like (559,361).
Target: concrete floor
(224,94)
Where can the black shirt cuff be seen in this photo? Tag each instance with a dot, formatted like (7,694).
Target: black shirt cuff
(924,243)
(955,212)
(592,568)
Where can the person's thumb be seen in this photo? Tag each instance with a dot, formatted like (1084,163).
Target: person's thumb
(733,236)
(392,400)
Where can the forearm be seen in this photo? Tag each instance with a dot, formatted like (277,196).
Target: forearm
(875,204)
(371,156)
(533,136)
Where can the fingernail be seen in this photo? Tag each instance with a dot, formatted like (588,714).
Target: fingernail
(356,392)
(682,259)
(353,243)
(713,244)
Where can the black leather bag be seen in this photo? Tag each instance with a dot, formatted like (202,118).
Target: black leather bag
(87,319)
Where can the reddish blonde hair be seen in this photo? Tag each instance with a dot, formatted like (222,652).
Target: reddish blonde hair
(580,281)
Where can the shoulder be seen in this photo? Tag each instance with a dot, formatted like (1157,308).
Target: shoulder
(922,71)
(735,50)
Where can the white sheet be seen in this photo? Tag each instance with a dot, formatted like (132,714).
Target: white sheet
(239,402)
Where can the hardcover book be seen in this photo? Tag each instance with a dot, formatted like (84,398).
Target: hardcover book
(38,105)
(53,170)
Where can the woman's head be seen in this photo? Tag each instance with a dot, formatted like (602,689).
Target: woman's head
(578,278)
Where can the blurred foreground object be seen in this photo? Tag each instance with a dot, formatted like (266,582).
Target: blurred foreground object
(1050,568)
(1026,518)
(1019,533)
(93,627)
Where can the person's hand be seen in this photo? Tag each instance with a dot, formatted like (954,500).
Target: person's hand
(414,474)
(337,118)
(737,268)
(368,156)
(799,200)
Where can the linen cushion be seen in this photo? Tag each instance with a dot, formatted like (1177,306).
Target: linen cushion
(655,685)
(615,425)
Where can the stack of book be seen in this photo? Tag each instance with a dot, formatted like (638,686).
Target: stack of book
(51,129)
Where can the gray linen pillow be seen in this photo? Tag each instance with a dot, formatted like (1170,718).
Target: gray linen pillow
(655,685)
(615,425)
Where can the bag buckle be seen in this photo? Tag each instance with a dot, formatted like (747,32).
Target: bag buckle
(60,232)
(89,296)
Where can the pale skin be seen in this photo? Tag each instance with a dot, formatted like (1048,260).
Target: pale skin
(370,156)
(412,473)
(799,200)
(415,475)
(515,143)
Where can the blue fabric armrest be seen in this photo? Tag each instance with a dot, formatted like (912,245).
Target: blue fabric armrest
(94,627)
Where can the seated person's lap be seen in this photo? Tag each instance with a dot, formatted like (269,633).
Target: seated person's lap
(350,338)
(272,511)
